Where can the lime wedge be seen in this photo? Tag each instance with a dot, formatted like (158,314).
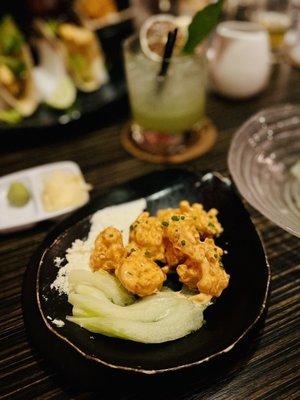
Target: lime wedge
(63,96)
(154,34)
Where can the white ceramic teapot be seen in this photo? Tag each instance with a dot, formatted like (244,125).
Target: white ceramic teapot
(239,59)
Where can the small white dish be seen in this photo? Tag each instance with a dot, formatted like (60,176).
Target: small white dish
(19,218)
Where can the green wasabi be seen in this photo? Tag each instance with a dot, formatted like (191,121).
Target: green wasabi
(18,195)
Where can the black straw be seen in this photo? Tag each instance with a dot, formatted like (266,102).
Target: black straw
(168,53)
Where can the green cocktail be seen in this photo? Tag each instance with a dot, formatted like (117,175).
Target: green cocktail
(171,107)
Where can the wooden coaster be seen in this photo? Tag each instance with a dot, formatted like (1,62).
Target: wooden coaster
(204,140)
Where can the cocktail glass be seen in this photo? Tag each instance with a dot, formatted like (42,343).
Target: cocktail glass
(166,111)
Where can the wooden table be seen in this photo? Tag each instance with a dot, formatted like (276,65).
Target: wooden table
(266,370)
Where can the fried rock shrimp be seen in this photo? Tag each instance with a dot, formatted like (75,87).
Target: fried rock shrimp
(109,251)
(146,233)
(180,240)
(165,214)
(173,256)
(189,273)
(140,275)
(207,275)
(206,223)
(184,238)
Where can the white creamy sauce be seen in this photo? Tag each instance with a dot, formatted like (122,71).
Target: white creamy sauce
(120,217)
(78,255)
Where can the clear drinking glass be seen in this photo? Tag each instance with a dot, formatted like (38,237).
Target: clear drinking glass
(292,38)
(274,16)
(165,113)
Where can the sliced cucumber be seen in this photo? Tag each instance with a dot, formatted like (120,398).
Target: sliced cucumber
(103,281)
(87,290)
(102,305)
(183,319)
(79,312)
(149,309)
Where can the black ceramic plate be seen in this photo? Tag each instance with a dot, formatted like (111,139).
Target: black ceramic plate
(227,321)
(85,105)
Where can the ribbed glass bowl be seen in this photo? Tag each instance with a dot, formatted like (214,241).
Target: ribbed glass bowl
(260,159)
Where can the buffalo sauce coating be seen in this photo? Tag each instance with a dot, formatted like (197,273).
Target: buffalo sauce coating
(140,275)
(181,240)
(109,251)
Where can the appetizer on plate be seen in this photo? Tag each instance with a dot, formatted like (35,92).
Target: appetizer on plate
(121,289)
(96,14)
(61,270)
(51,77)
(18,93)
(80,50)
(68,57)
(96,9)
